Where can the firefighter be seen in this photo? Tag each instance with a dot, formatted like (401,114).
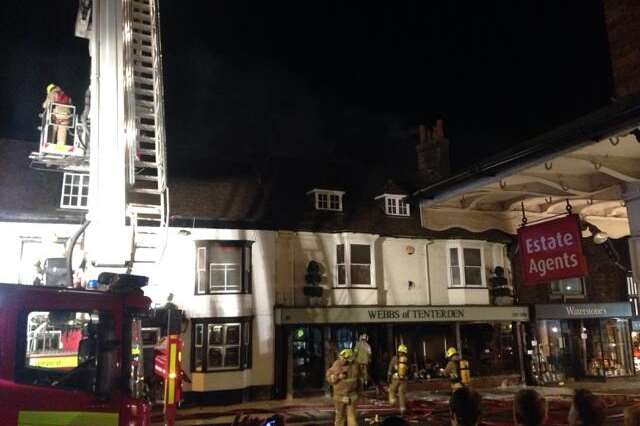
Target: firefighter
(60,114)
(397,375)
(343,376)
(457,369)
(363,359)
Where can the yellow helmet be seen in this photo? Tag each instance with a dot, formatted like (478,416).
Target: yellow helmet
(451,352)
(402,348)
(50,87)
(346,354)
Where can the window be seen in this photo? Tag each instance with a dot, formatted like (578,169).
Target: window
(571,287)
(33,253)
(395,205)
(75,191)
(223,267)
(466,267)
(327,200)
(632,292)
(60,348)
(219,346)
(354,264)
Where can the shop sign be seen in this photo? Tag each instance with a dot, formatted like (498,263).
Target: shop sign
(582,310)
(551,251)
(374,314)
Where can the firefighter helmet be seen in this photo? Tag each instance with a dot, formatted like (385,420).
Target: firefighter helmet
(402,349)
(50,87)
(364,336)
(346,354)
(451,352)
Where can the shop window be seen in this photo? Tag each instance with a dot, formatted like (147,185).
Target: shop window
(327,200)
(353,264)
(75,191)
(569,288)
(395,205)
(221,345)
(223,267)
(466,267)
(59,349)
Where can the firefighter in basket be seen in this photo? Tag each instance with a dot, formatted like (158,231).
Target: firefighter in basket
(344,377)
(457,369)
(397,375)
(61,114)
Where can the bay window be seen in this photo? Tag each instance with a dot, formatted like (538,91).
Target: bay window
(223,267)
(353,265)
(466,265)
(221,344)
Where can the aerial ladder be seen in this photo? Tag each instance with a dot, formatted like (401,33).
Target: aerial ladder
(118,142)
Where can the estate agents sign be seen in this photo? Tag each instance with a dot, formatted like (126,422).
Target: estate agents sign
(551,251)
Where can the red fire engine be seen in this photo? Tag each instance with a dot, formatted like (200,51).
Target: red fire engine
(94,380)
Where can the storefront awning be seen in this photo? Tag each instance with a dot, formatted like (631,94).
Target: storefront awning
(396,314)
(587,162)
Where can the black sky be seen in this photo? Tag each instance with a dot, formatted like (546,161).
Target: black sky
(333,77)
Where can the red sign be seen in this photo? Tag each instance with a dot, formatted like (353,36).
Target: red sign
(551,251)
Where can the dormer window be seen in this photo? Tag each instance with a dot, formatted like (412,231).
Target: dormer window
(395,205)
(327,200)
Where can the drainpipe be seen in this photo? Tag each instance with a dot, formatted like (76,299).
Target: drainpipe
(69,250)
(428,265)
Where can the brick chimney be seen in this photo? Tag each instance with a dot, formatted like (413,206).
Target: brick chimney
(622,18)
(432,153)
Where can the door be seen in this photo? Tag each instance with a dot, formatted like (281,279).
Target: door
(56,370)
(308,360)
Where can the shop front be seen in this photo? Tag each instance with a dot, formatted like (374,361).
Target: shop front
(310,339)
(577,341)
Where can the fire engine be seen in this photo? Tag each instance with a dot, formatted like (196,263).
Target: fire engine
(76,356)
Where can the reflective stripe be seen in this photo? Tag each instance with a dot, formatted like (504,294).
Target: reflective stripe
(69,361)
(173,359)
(66,418)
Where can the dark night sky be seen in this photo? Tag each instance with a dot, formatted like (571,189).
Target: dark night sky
(334,77)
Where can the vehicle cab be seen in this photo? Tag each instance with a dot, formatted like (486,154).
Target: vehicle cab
(72,357)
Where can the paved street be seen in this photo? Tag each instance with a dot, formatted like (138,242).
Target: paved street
(425,407)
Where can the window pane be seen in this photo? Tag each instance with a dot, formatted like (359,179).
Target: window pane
(360,274)
(453,255)
(342,279)
(56,340)
(340,253)
(214,358)
(199,334)
(225,277)
(473,275)
(198,358)
(226,253)
(233,335)
(455,275)
(334,201)
(472,257)
(232,357)
(215,334)
(360,253)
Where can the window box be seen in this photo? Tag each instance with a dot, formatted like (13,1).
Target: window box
(223,267)
(221,344)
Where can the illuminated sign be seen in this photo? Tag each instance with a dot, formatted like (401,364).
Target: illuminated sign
(388,314)
(551,251)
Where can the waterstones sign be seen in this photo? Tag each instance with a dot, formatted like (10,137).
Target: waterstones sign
(389,314)
(551,251)
(582,310)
